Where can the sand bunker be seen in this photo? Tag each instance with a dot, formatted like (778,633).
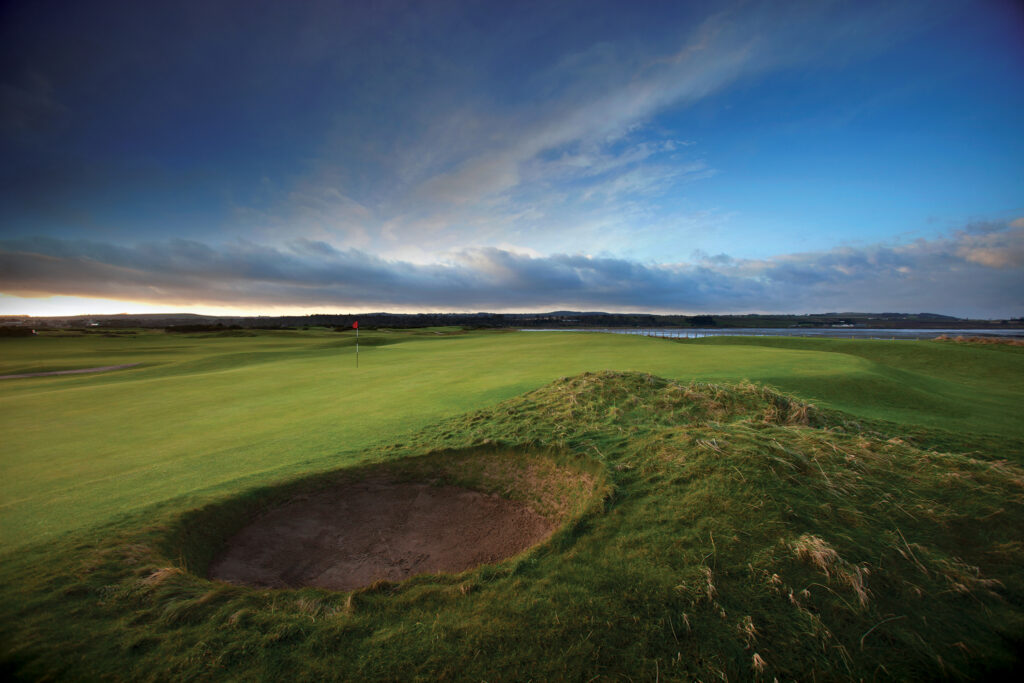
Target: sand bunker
(353,535)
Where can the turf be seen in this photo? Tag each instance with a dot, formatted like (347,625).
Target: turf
(972,388)
(206,410)
(813,509)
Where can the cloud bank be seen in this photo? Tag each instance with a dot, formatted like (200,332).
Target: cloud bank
(976,271)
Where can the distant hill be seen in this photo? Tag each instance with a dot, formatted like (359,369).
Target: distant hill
(553,319)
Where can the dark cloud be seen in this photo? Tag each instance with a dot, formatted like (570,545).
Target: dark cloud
(971,272)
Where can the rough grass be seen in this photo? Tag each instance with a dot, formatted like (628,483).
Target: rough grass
(744,535)
(960,339)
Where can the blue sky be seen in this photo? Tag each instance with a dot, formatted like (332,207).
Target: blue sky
(276,157)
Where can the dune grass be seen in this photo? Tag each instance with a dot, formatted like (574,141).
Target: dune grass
(744,533)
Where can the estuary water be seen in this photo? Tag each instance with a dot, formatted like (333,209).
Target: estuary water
(829,332)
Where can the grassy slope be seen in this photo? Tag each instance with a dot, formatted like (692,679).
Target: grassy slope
(745,537)
(969,387)
(945,396)
(209,417)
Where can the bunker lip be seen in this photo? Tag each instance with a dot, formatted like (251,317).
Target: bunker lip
(354,534)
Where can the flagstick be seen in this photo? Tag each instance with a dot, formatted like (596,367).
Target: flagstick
(357,346)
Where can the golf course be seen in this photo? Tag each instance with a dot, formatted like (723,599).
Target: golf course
(728,508)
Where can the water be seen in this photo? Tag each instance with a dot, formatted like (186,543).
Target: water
(824,332)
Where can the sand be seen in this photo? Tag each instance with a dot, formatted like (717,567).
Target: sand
(354,535)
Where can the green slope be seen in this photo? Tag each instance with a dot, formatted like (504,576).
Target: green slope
(959,387)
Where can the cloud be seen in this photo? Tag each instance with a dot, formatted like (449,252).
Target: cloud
(593,108)
(990,246)
(567,137)
(945,275)
(389,127)
(605,92)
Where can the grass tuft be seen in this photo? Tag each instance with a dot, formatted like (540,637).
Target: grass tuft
(161,575)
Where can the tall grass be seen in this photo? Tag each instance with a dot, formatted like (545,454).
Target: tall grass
(960,339)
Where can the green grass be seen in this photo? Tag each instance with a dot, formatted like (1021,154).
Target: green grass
(973,388)
(738,521)
(207,410)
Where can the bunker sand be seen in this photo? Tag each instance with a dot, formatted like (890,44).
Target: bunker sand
(356,534)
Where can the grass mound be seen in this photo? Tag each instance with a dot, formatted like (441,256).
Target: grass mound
(740,534)
(635,399)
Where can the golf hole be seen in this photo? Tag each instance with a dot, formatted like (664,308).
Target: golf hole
(442,513)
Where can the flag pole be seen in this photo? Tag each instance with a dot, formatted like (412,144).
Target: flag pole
(356,325)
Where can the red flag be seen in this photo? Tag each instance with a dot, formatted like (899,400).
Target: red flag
(355,325)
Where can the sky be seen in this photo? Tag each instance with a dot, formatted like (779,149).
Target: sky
(254,157)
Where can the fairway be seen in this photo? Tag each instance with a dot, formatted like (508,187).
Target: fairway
(206,414)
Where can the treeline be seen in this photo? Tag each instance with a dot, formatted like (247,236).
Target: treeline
(220,327)
(13,331)
(217,327)
(178,323)
(502,320)
(369,321)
